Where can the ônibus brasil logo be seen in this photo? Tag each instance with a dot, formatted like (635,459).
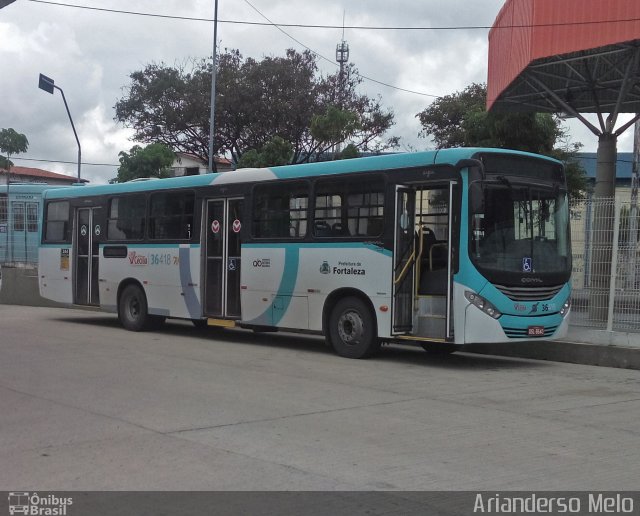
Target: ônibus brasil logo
(38,505)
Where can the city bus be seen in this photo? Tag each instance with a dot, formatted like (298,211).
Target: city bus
(20,209)
(440,248)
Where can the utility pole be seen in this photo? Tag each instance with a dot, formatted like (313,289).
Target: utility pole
(342,57)
(633,212)
(212,125)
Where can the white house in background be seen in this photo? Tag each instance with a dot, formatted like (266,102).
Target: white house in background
(190,165)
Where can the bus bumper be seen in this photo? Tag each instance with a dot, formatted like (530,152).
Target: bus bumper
(481,328)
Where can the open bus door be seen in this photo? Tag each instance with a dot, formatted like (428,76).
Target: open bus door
(423,262)
(404,260)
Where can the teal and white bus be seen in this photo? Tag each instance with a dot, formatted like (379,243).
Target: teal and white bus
(438,248)
(20,220)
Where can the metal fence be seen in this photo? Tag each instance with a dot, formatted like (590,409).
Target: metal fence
(606,264)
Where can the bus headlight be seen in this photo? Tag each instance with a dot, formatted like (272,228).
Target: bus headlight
(565,307)
(481,303)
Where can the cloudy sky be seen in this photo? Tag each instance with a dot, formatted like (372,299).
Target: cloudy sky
(90,54)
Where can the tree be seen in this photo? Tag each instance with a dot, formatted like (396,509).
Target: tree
(11,143)
(151,161)
(255,102)
(274,153)
(461,120)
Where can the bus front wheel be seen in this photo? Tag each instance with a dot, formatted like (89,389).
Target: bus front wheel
(132,309)
(352,331)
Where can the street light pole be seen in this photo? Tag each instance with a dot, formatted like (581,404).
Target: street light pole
(47,84)
(212,124)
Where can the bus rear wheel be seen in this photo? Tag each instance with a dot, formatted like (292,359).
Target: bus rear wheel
(352,331)
(132,309)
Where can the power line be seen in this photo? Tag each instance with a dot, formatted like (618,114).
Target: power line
(269,23)
(351,27)
(277,26)
(64,162)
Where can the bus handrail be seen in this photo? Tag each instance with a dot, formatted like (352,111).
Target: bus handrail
(416,285)
(405,269)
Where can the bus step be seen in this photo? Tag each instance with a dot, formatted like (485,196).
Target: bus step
(432,305)
(432,325)
(222,323)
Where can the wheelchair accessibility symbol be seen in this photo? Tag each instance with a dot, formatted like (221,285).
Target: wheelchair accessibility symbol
(527,265)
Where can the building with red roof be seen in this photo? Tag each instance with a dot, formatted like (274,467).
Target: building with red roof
(36,175)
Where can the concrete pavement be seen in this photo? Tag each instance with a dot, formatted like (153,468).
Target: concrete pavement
(86,405)
(582,345)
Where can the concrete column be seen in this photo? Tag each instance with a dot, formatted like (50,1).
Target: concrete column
(602,241)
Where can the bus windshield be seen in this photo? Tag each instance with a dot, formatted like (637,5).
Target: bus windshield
(519,228)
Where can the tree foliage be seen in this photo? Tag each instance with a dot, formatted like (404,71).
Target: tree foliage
(461,120)
(256,100)
(11,143)
(274,153)
(151,161)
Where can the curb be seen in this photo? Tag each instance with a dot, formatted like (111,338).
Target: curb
(565,351)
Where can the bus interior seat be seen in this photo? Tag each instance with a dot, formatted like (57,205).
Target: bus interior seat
(338,229)
(321,228)
(433,283)
(375,226)
(433,265)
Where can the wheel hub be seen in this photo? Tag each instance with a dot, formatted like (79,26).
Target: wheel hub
(350,328)
(134,307)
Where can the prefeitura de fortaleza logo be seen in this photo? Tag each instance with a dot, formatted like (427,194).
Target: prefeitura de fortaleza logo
(35,504)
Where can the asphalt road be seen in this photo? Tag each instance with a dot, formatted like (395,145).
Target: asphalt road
(86,405)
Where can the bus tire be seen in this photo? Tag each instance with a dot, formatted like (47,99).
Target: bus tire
(132,309)
(352,331)
(439,348)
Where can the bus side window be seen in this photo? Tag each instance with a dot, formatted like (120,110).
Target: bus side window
(280,211)
(374,227)
(171,215)
(57,222)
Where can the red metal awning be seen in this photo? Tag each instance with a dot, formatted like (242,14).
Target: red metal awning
(585,53)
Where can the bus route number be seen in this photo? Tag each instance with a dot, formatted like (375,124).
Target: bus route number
(164,259)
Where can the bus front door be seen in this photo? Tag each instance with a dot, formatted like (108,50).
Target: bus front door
(87,235)
(223,230)
(404,260)
(423,261)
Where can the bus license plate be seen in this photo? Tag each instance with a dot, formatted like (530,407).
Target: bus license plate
(535,331)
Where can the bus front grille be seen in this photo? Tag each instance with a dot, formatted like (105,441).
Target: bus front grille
(529,293)
(521,333)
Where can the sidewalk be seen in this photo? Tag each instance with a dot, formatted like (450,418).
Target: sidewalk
(581,346)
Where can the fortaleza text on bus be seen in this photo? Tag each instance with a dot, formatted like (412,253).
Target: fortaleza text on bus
(349,268)
(592,503)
